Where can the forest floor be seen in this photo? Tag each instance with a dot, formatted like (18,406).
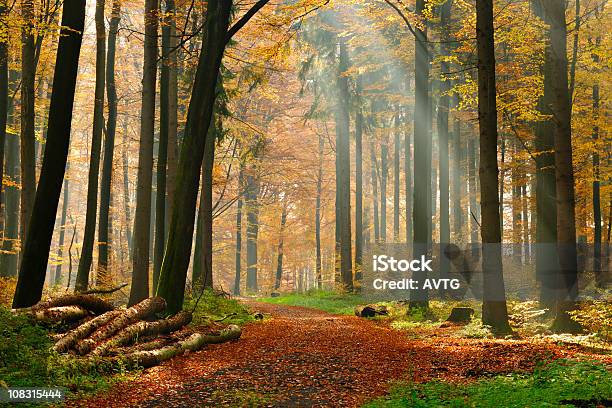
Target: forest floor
(305,357)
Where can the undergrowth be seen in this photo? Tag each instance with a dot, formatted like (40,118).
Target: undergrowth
(560,383)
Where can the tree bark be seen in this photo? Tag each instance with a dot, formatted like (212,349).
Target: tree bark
(384,174)
(343,175)
(28,138)
(396,180)
(494,310)
(279,261)
(126,187)
(40,231)
(71,338)
(597,267)
(176,261)
(104,240)
(318,213)
(142,220)
(443,140)
(8,255)
(82,279)
(252,230)
(421,215)
(374,179)
(358,194)
(564,171)
(408,184)
(4,101)
(142,329)
(239,232)
(141,310)
(60,252)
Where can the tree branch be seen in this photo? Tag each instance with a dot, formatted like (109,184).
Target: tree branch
(245,19)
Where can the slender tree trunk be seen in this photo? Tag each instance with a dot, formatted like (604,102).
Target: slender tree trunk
(40,231)
(82,280)
(252,231)
(239,232)
(9,254)
(384,173)
(60,252)
(4,94)
(564,171)
(140,272)
(408,184)
(343,174)
(421,215)
(396,180)
(207,208)
(494,310)
(164,143)
(443,141)
(279,261)
(358,195)
(517,207)
(599,275)
(172,109)
(176,259)
(374,179)
(104,227)
(126,187)
(28,138)
(458,209)
(318,212)
(472,190)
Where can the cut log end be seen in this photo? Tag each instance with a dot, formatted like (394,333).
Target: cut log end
(371,310)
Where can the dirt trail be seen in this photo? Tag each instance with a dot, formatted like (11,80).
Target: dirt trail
(307,358)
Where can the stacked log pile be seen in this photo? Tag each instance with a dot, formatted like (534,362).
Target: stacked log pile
(89,326)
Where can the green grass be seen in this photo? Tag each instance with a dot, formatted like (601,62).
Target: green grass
(26,360)
(211,307)
(332,302)
(561,383)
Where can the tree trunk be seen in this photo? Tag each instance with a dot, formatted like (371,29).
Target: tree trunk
(104,228)
(472,190)
(421,215)
(141,310)
(318,212)
(126,187)
(343,172)
(546,190)
(4,94)
(60,252)
(28,138)
(384,173)
(178,248)
(494,311)
(8,255)
(564,171)
(84,330)
(142,329)
(443,141)
(142,220)
(172,109)
(374,179)
(162,155)
(252,230)
(279,262)
(396,180)
(408,184)
(599,275)
(239,231)
(40,231)
(358,194)
(82,279)
(517,207)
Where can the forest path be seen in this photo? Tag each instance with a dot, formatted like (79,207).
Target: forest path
(304,357)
